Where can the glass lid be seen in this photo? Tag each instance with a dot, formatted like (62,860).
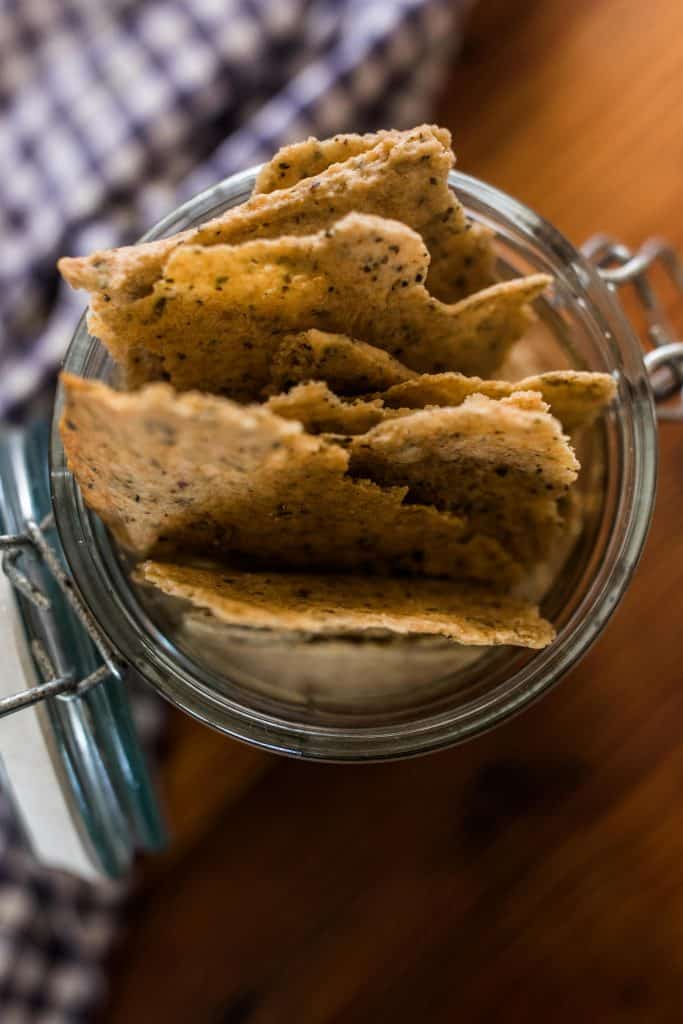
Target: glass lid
(72,765)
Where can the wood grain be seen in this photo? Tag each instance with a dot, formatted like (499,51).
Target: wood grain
(537,873)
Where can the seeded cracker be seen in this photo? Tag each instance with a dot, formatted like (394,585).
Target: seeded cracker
(219,315)
(462,258)
(402,176)
(197,472)
(335,605)
(310,157)
(320,411)
(350,367)
(575,398)
(390,181)
(500,465)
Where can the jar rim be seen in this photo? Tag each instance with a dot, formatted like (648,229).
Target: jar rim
(102,584)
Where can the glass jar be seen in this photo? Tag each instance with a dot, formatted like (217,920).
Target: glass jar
(341,700)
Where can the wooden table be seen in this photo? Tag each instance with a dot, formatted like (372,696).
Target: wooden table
(537,873)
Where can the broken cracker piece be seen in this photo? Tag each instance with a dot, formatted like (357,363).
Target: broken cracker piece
(516,434)
(575,397)
(348,366)
(499,464)
(321,411)
(462,256)
(310,157)
(403,175)
(334,605)
(218,316)
(195,472)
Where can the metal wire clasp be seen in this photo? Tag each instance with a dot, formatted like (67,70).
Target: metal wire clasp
(618,266)
(53,685)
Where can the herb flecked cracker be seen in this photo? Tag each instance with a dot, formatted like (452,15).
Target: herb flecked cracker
(337,604)
(348,366)
(402,176)
(310,157)
(462,258)
(499,464)
(195,472)
(321,411)
(218,316)
(575,397)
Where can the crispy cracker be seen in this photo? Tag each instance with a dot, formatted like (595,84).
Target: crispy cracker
(320,411)
(462,262)
(403,175)
(575,398)
(310,157)
(218,316)
(462,257)
(197,472)
(351,604)
(499,464)
(350,367)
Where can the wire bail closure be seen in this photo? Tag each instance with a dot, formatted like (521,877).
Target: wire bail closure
(53,685)
(619,266)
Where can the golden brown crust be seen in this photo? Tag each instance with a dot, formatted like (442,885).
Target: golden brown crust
(320,411)
(310,157)
(219,314)
(348,366)
(462,256)
(334,605)
(398,175)
(575,398)
(194,472)
(391,180)
(500,465)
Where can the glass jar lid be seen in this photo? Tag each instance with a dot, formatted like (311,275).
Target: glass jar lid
(72,764)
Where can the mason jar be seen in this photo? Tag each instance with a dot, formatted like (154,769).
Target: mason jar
(77,631)
(373,697)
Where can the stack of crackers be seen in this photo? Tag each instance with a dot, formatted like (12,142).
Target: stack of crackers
(310,435)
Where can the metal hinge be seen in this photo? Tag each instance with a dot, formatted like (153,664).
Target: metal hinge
(619,266)
(53,685)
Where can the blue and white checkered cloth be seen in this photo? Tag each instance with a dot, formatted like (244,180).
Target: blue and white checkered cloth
(111,114)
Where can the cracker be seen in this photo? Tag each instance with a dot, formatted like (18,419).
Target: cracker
(350,367)
(310,157)
(333,605)
(575,397)
(197,472)
(516,433)
(462,261)
(462,257)
(319,410)
(501,465)
(403,175)
(219,314)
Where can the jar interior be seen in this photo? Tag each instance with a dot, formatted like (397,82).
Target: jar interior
(354,696)
(365,675)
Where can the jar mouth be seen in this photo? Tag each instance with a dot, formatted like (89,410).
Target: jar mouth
(511,679)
